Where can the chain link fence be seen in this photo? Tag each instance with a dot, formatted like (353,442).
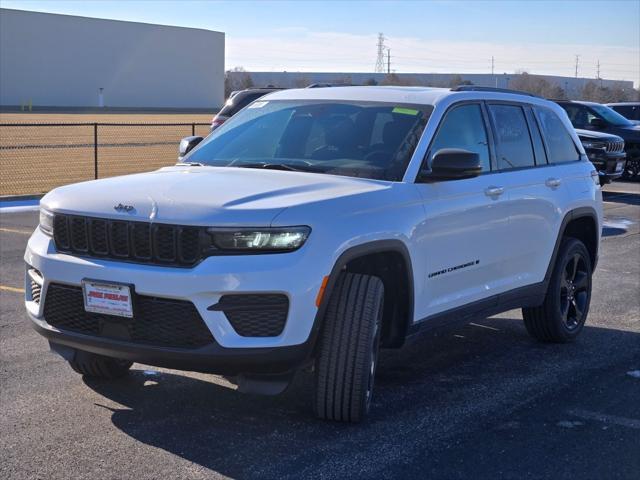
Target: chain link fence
(36,157)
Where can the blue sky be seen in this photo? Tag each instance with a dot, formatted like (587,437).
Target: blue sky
(535,36)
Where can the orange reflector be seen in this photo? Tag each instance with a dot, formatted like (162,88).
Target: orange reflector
(325,280)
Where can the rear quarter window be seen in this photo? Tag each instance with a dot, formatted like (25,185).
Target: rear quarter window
(560,146)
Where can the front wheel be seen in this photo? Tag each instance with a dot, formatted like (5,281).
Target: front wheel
(97,366)
(349,343)
(562,315)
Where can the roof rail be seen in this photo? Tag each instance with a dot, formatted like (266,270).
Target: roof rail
(476,88)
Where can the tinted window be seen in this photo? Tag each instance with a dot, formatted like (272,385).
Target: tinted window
(560,146)
(609,115)
(370,139)
(463,127)
(632,112)
(512,134)
(536,136)
(578,115)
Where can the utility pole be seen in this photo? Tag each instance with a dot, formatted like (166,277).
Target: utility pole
(577,62)
(388,61)
(380,57)
(492,70)
(598,77)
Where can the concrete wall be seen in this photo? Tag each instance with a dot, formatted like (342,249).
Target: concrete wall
(571,85)
(62,61)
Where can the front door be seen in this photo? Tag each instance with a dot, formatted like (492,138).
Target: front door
(465,232)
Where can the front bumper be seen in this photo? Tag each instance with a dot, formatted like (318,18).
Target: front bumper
(609,165)
(203,285)
(210,359)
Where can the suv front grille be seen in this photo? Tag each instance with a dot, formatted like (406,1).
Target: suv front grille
(140,242)
(614,147)
(255,315)
(156,321)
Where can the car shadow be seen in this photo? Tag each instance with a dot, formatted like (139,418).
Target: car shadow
(422,392)
(618,197)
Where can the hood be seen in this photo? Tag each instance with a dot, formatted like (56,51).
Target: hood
(630,133)
(215,196)
(593,135)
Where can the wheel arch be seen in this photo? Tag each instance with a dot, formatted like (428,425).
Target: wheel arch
(580,223)
(395,324)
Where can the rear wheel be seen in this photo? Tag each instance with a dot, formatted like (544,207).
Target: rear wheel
(562,315)
(98,366)
(349,344)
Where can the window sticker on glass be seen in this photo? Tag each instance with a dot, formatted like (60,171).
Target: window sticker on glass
(405,111)
(257,104)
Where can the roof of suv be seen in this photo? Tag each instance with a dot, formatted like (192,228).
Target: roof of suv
(395,94)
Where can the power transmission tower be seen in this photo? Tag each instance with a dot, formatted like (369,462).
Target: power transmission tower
(380,58)
(492,64)
(388,60)
(577,62)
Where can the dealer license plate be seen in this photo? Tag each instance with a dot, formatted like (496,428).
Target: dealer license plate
(107,298)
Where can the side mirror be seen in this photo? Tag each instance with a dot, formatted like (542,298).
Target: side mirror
(186,145)
(597,123)
(452,164)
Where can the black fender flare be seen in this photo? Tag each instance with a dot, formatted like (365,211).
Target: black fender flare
(352,253)
(570,216)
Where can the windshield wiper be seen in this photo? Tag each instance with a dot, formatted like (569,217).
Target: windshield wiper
(190,164)
(281,166)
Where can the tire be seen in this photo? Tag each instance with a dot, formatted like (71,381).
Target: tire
(562,316)
(632,167)
(348,348)
(97,366)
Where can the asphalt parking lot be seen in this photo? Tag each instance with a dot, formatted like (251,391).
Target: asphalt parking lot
(479,401)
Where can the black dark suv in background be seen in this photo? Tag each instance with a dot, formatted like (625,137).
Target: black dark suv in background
(237,101)
(606,152)
(600,118)
(629,110)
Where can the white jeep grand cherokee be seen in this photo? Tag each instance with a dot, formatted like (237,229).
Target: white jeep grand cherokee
(315,226)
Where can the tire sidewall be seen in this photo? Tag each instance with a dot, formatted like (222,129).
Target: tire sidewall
(568,248)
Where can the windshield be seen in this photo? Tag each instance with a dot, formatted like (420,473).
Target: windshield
(358,139)
(610,115)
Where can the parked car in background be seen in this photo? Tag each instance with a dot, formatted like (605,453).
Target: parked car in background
(606,152)
(600,118)
(629,110)
(237,101)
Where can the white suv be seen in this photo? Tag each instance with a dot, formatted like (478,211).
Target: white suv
(315,226)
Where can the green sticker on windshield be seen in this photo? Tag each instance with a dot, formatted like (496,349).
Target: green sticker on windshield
(405,111)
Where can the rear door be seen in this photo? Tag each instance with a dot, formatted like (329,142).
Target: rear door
(465,231)
(535,189)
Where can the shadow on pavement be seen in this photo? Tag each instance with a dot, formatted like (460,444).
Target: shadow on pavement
(426,392)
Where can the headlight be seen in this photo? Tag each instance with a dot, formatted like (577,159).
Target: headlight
(593,145)
(46,222)
(284,239)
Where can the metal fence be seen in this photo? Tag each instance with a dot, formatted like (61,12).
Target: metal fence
(36,157)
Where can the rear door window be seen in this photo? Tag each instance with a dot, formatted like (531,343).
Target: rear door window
(560,146)
(514,149)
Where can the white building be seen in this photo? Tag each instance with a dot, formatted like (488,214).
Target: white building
(67,61)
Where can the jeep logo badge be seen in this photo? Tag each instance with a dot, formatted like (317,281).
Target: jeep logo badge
(123,208)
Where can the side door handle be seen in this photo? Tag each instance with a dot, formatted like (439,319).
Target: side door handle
(493,191)
(553,182)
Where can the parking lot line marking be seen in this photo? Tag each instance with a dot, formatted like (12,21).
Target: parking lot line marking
(14,230)
(601,417)
(485,326)
(11,289)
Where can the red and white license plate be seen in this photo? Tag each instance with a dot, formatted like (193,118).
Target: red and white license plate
(107,298)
